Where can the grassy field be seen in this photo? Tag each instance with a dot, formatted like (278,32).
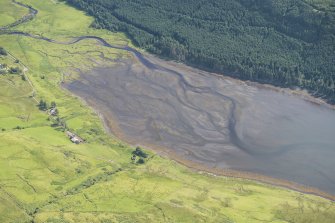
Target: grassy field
(10,12)
(46,178)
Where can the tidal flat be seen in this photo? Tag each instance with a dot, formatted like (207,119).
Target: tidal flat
(214,121)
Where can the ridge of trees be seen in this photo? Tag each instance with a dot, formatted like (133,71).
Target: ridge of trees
(280,42)
(3,52)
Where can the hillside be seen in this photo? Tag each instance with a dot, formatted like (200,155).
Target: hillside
(44,177)
(285,43)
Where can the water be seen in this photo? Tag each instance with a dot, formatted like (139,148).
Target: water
(211,120)
(216,121)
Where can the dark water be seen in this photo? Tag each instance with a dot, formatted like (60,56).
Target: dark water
(217,121)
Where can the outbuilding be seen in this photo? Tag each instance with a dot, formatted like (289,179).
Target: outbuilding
(74,138)
(53,111)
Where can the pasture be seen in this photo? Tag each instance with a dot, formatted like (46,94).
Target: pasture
(46,178)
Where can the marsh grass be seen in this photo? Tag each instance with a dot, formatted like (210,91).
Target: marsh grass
(46,178)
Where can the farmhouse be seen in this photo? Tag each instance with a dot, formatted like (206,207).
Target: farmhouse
(53,111)
(74,138)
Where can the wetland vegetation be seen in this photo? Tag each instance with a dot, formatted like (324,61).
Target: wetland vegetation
(46,178)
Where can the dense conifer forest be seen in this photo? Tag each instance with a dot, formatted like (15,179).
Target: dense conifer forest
(282,42)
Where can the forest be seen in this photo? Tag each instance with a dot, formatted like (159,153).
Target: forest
(281,42)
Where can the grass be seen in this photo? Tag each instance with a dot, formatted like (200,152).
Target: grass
(10,12)
(44,177)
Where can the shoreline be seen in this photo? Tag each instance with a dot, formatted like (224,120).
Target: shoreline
(222,172)
(112,129)
(300,93)
(226,172)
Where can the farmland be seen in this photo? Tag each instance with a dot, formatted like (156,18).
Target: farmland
(46,178)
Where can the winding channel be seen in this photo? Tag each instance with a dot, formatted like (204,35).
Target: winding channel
(210,120)
(26,18)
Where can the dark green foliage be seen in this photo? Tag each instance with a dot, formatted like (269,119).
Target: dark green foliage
(42,105)
(141,161)
(139,152)
(15,70)
(53,104)
(23,77)
(59,123)
(285,43)
(3,51)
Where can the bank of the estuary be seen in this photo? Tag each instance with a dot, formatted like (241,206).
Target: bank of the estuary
(231,108)
(112,126)
(216,122)
(44,177)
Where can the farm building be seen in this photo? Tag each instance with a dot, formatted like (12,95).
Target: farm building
(74,138)
(53,111)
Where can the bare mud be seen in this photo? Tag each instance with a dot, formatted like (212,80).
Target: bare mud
(210,122)
(216,122)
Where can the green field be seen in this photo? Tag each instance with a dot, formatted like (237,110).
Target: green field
(10,12)
(46,178)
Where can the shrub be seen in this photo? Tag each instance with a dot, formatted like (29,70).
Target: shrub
(3,51)
(53,104)
(141,161)
(15,70)
(139,152)
(42,105)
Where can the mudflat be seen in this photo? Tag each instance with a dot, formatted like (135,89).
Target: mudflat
(214,121)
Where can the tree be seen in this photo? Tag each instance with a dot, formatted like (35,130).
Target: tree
(53,104)
(3,51)
(42,105)
(15,70)
(141,161)
(138,152)
(240,38)
(55,112)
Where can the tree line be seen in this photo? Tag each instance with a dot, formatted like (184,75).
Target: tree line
(284,43)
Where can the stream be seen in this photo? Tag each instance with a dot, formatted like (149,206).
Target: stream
(208,119)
